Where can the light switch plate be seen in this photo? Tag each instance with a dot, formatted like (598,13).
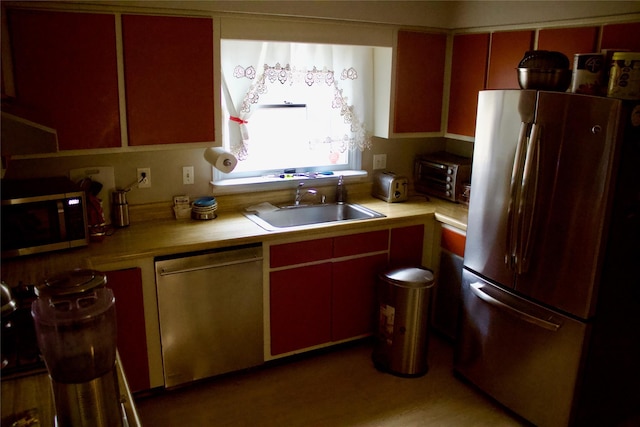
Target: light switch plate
(379,161)
(187,175)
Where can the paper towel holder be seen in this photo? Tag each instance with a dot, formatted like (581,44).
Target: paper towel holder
(220,159)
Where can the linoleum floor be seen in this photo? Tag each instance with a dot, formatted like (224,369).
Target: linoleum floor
(333,388)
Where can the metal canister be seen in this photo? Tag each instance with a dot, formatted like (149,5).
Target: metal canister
(588,74)
(120,208)
(624,76)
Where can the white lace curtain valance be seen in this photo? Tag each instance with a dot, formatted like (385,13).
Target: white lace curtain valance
(250,68)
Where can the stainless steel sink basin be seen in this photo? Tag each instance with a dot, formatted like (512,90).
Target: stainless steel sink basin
(297,216)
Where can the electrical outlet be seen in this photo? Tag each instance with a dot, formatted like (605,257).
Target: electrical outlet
(379,161)
(187,175)
(144,177)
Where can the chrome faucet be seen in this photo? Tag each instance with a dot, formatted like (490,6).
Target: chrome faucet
(300,194)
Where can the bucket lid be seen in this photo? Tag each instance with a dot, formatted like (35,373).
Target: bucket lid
(412,277)
(72,282)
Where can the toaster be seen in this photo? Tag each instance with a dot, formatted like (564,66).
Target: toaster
(389,187)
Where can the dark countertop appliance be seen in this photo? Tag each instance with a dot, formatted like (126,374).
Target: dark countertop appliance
(442,175)
(20,352)
(75,321)
(42,215)
(550,294)
(24,369)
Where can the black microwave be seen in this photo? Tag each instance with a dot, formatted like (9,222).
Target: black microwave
(42,215)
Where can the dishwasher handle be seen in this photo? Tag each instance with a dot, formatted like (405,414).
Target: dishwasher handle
(164,271)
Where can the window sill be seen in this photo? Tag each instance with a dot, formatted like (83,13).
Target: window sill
(256,184)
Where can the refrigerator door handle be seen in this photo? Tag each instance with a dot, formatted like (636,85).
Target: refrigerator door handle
(514,197)
(479,290)
(529,190)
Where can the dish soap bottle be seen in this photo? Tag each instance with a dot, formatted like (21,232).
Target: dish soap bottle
(341,191)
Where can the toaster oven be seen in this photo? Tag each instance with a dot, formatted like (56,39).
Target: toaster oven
(443,175)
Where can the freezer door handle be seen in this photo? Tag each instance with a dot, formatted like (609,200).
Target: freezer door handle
(528,193)
(514,197)
(481,291)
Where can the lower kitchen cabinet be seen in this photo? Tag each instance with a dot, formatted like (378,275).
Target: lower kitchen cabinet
(323,303)
(324,290)
(406,246)
(353,302)
(132,342)
(447,295)
(300,307)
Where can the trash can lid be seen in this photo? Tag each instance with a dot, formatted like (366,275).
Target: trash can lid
(412,277)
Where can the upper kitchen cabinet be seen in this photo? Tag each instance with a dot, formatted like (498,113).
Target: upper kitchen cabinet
(507,50)
(169,79)
(468,75)
(621,36)
(568,40)
(419,81)
(65,75)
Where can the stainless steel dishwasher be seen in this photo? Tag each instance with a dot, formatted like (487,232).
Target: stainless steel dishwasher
(211,315)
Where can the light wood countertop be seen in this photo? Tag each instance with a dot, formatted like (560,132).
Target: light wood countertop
(170,236)
(163,236)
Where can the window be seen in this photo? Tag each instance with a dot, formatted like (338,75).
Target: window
(307,107)
(285,136)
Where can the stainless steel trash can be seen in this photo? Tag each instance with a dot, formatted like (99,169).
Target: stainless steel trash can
(402,333)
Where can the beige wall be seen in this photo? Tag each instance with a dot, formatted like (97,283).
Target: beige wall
(166,166)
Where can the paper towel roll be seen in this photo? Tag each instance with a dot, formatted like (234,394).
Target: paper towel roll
(220,159)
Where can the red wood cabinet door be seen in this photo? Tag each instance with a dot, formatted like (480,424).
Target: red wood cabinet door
(419,84)
(568,40)
(168,67)
(132,337)
(453,241)
(354,296)
(300,252)
(621,36)
(468,74)
(300,307)
(507,50)
(65,75)
(362,243)
(406,246)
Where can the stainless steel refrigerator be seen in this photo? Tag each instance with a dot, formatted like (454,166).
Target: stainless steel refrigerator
(550,318)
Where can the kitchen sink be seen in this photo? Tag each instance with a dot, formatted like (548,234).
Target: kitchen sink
(297,216)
